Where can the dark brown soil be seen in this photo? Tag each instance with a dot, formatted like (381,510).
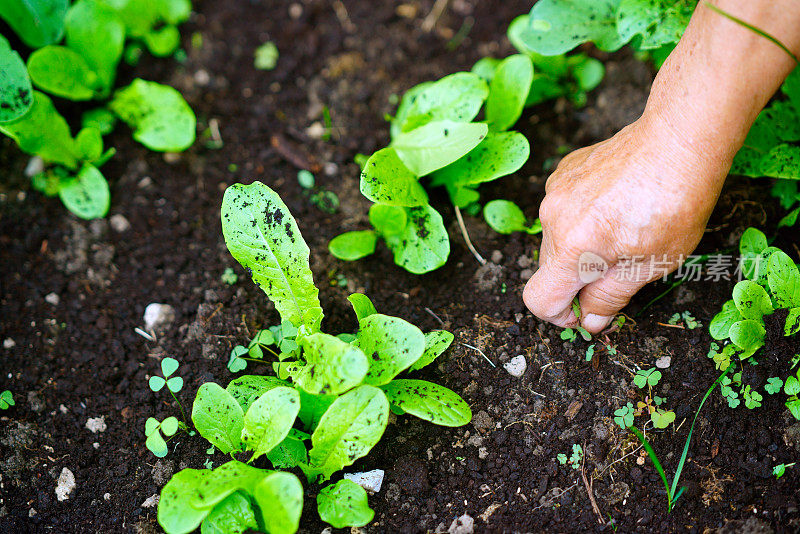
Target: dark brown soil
(80,358)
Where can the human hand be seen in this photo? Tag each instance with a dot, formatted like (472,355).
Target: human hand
(644,195)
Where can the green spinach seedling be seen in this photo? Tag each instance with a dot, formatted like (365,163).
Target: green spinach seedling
(780,469)
(6,400)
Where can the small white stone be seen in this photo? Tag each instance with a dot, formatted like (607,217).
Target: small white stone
(62,408)
(156,314)
(65,484)
(150,502)
(369,480)
(32,512)
(52,298)
(462,525)
(517,366)
(202,78)
(107,496)
(119,223)
(295,10)
(96,424)
(9,343)
(96,445)
(35,166)
(663,362)
(145,182)
(316,130)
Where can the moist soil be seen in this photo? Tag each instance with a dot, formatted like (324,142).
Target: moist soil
(77,356)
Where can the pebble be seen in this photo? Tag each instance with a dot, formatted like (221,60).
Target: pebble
(526,274)
(497,256)
(156,315)
(202,78)
(524,262)
(150,502)
(119,223)
(316,130)
(62,408)
(9,343)
(517,366)
(52,298)
(663,362)
(369,480)
(462,525)
(65,484)
(32,512)
(96,424)
(107,496)
(35,166)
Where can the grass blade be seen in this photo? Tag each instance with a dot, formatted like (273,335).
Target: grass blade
(652,454)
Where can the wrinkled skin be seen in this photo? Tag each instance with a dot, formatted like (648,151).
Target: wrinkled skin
(648,191)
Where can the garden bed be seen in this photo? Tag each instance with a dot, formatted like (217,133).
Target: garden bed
(75,356)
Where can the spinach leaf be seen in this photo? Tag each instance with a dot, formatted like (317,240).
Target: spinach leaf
(457,97)
(37,22)
(751,245)
(783,279)
(16,93)
(436,342)
(96,32)
(388,220)
(332,366)
(269,419)
(721,323)
(349,429)
(86,194)
(558,26)
(497,155)
(658,22)
(246,389)
(312,407)
(437,144)
(174,513)
(280,497)
(63,72)
(422,245)
(233,515)
(154,22)
(505,217)
(391,344)
(362,305)
(290,452)
(751,300)
(387,180)
(263,236)
(508,92)
(218,417)
(160,117)
(792,325)
(344,504)
(351,246)
(748,334)
(428,401)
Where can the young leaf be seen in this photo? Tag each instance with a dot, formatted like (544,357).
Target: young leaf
(782,161)
(792,325)
(312,408)
(96,32)
(159,116)
(405,107)
(280,497)
(721,323)
(505,217)
(362,305)
(589,72)
(558,26)
(457,97)
(352,425)
(508,92)
(352,246)
(43,132)
(436,342)
(428,401)
(499,154)
(269,419)
(263,236)
(751,245)
(63,72)
(659,22)
(332,366)
(290,452)
(36,22)
(422,245)
(791,386)
(233,515)
(174,513)
(86,195)
(751,300)
(783,279)
(391,345)
(437,144)
(662,418)
(218,417)
(485,68)
(386,179)
(748,334)
(388,220)
(16,93)
(224,480)
(344,504)
(156,444)
(246,389)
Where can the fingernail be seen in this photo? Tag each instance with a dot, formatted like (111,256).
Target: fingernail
(595,323)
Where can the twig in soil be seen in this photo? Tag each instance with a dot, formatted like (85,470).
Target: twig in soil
(293,155)
(144,334)
(479,351)
(207,319)
(590,490)
(216,138)
(464,233)
(434,316)
(672,325)
(520,421)
(436,13)
(344,18)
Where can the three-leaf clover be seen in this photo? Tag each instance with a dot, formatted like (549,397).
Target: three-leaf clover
(237,362)
(155,443)
(229,277)
(662,418)
(168,367)
(773,385)
(624,416)
(6,400)
(590,352)
(646,377)
(568,334)
(752,399)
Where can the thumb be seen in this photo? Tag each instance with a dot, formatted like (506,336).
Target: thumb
(603,298)
(550,291)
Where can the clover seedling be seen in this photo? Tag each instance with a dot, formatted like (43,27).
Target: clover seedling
(646,378)
(168,368)
(624,416)
(153,430)
(589,352)
(229,277)
(568,334)
(774,385)
(574,459)
(687,318)
(780,469)
(6,400)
